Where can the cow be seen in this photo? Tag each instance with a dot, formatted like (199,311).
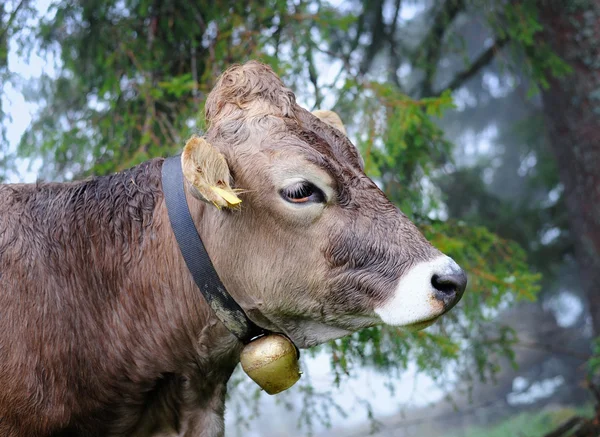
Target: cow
(103,331)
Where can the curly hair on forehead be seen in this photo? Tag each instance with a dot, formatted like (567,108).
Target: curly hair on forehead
(251,100)
(249,90)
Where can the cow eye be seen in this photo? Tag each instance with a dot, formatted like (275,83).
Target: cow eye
(303,192)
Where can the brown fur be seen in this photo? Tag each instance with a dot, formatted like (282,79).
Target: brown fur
(101,325)
(102,331)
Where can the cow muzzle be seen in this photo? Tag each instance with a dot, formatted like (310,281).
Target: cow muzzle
(424,293)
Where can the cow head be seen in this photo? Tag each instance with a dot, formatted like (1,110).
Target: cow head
(314,249)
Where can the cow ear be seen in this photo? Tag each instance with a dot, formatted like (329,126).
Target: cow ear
(206,170)
(334,120)
(330,118)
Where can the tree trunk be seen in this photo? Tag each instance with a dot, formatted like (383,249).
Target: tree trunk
(572,109)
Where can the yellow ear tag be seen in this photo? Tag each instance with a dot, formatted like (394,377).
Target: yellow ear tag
(230,198)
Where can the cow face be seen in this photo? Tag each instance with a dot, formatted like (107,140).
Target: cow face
(314,249)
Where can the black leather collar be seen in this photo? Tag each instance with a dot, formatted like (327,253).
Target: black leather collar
(198,262)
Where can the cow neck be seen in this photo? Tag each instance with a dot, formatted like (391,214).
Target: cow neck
(226,309)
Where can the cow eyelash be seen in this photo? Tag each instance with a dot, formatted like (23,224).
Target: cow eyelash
(303,192)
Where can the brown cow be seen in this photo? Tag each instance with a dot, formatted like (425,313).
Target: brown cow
(102,329)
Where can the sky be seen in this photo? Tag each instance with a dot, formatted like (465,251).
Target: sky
(28,67)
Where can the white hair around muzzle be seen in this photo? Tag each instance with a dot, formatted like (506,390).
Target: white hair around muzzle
(416,303)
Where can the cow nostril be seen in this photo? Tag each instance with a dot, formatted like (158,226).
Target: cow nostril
(450,285)
(443,285)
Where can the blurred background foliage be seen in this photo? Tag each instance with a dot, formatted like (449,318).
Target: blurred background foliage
(477,118)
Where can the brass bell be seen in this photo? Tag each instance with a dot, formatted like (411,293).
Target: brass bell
(272,362)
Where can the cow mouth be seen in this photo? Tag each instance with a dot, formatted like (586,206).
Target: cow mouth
(418,326)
